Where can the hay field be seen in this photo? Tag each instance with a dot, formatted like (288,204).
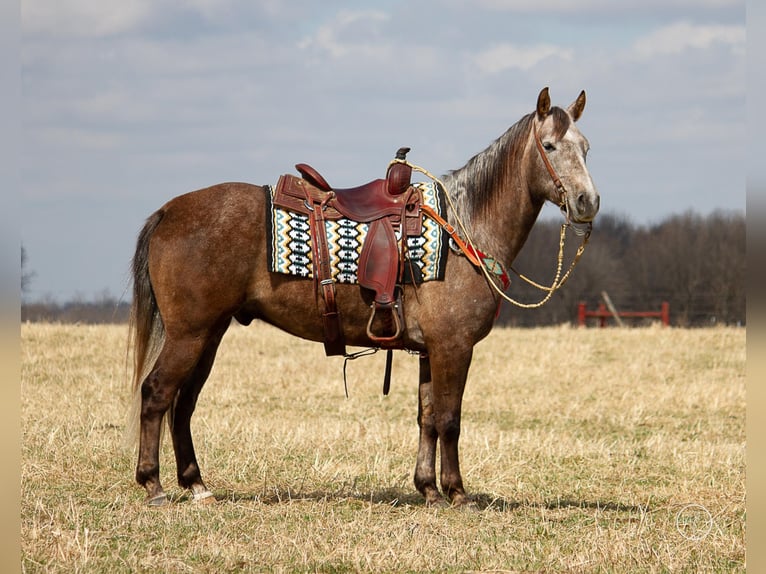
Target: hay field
(613,450)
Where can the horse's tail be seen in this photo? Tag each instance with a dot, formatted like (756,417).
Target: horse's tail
(146,330)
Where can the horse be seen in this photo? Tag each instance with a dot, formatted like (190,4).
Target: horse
(200,263)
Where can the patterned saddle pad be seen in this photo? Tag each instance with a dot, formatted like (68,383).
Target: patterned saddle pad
(289,248)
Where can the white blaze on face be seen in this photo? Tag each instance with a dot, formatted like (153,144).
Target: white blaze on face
(582,196)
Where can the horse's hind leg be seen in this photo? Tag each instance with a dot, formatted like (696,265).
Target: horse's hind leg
(175,364)
(425,469)
(186,460)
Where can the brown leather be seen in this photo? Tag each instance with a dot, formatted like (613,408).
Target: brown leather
(313,176)
(388,205)
(370,202)
(334,342)
(398,178)
(299,195)
(379,261)
(462,245)
(552,172)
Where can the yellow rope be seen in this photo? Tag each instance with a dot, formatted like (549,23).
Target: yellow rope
(558,281)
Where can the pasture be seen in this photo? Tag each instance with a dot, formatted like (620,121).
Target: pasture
(585,450)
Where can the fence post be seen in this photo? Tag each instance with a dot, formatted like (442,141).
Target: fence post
(601,315)
(581,307)
(665,313)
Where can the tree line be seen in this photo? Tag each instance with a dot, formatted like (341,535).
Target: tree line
(694,262)
(103,309)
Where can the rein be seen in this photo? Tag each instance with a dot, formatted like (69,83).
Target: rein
(491,267)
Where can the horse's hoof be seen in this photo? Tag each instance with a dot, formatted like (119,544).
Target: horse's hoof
(462,502)
(436,501)
(467,506)
(156,501)
(206,497)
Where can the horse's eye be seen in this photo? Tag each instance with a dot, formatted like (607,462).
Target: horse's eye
(548,146)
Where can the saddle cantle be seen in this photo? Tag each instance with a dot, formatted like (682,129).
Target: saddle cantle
(389,206)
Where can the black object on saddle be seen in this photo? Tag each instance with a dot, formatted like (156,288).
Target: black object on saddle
(387,205)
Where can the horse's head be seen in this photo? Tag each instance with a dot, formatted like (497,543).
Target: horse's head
(559,171)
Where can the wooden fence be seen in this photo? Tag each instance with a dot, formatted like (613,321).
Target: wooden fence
(602,314)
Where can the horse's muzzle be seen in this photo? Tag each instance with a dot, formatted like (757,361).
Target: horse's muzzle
(584,207)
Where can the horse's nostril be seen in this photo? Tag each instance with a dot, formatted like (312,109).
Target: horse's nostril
(584,203)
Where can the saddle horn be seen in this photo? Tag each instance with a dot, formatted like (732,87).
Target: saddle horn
(399,175)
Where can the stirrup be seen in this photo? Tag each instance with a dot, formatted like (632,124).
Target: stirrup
(397,323)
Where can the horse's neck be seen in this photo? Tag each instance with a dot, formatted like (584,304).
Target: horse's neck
(505,227)
(500,226)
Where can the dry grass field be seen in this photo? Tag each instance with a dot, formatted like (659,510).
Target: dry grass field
(613,450)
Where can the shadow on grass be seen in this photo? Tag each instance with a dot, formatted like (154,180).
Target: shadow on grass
(392,496)
(397,497)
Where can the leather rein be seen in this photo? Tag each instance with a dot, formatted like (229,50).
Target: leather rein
(551,171)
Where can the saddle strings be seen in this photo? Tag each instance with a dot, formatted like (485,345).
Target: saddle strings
(558,280)
(353,356)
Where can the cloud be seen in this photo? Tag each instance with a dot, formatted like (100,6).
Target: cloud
(337,37)
(98,19)
(585,6)
(84,18)
(502,57)
(681,36)
(536,6)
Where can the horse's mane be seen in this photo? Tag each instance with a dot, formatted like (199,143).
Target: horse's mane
(474,185)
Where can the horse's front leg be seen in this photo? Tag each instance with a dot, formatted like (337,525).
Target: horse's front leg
(442,381)
(449,371)
(425,468)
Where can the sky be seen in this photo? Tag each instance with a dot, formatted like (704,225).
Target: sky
(124,105)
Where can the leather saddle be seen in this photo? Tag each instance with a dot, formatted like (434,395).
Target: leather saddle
(389,206)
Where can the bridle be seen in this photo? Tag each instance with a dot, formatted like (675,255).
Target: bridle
(551,171)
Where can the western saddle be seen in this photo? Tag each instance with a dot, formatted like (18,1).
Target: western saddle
(389,206)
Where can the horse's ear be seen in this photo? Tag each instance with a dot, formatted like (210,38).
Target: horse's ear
(576,108)
(543,103)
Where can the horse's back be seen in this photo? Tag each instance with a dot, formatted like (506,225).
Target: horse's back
(231,203)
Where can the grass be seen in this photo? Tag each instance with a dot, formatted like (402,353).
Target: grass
(613,450)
